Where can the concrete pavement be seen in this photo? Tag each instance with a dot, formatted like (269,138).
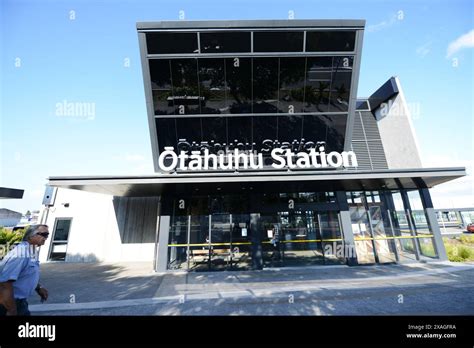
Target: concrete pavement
(133,289)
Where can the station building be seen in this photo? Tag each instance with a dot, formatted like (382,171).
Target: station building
(264,157)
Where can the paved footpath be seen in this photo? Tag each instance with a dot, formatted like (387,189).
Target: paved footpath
(133,289)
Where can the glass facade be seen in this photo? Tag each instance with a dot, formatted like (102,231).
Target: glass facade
(259,88)
(254,90)
(258,85)
(295,229)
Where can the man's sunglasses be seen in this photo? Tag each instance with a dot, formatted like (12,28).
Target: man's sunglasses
(43,234)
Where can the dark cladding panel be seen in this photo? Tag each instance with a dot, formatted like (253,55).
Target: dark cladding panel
(330,129)
(341,83)
(212,85)
(265,85)
(239,85)
(189,129)
(290,128)
(184,77)
(292,80)
(166,132)
(278,41)
(330,41)
(160,74)
(168,43)
(318,83)
(240,129)
(225,42)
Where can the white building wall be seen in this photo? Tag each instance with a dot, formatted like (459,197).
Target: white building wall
(94,234)
(397,133)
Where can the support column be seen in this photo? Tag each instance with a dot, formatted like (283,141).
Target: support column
(346,225)
(256,250)
(162,248)
(433,224)
(411,224)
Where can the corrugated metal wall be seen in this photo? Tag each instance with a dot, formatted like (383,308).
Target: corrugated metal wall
(136,218)
(366,142)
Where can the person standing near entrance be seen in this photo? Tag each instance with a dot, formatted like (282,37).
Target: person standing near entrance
(275,241)
(19,273)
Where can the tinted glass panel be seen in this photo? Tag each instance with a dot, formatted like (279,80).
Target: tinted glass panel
(225,42)
(212,86)
(341,83)
(330,41)
(265,85)
(239,85)
(264,128)
(189,129)
(214,129)
(278,41)
(160,75)
(292,76)
(62,230)
(162,43)
(184,77)
(240,129)
(330,129)
(289,128)
(166,132)
(318,84)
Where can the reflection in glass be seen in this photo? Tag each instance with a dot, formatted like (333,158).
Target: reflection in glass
(189,129)
(240,129)
(177,242)
(214,129)
(292,82)
(341,84)
(330,41)
(166,132)
(160,74)
(330,129)
(300,238)
(212,86)
(278,41)
(318,84)
(333,245)
(225,42)
(163,43)
(186,98)
(265,85)
(264,128)
(239,85)
(290,128)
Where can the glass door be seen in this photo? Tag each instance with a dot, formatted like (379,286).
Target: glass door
(219,241)
(240,242)
(58,248)
(301,238)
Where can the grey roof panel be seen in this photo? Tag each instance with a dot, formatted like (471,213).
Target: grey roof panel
(232,24)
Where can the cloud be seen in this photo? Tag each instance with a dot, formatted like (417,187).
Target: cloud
(423,50)
(464,41)
(382,25)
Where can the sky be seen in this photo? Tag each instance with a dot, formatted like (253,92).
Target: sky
(57,52)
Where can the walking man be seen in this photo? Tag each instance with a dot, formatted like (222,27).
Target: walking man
(19,273)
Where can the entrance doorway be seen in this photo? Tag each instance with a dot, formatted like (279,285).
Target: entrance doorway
(214,242)
(223,241)
(301,238)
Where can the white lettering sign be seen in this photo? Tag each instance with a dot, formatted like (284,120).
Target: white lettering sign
(169,160)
